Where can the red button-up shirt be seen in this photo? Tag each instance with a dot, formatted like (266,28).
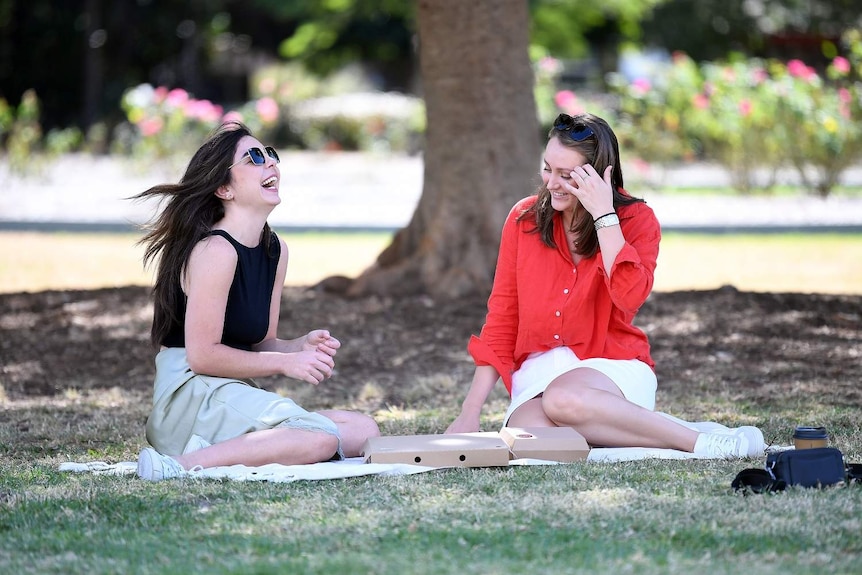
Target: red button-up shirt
(541,300)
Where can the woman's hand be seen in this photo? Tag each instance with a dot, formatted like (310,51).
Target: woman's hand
(321,340)
(594,192)
(464,423)
(312,366)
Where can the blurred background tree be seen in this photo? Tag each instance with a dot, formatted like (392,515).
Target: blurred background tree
(783,29)
(481,153)
(147,78)
(81,55)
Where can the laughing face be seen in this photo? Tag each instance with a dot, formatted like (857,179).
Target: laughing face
(558,163)
(255,182)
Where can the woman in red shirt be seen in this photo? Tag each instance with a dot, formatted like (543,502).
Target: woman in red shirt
(575,265)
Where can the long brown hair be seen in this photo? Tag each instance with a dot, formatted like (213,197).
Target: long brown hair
(601,150)
(190,210)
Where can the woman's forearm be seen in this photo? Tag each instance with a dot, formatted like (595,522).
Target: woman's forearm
(484,379)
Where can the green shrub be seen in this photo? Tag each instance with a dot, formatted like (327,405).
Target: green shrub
(750,115)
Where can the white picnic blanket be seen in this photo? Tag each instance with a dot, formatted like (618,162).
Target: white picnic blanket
(356,467)
(352,467)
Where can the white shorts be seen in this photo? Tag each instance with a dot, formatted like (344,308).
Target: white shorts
(634,378)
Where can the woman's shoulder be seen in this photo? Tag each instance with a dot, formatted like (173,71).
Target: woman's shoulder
(525,203)
(213,257)
(215,246)
(522,206)
(520,213)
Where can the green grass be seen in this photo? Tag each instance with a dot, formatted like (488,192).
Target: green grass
(824,263)
(642,517)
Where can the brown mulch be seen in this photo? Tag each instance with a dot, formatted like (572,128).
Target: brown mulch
(765,347)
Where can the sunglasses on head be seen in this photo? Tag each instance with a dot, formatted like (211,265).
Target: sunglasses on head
(578,131)
(257,157)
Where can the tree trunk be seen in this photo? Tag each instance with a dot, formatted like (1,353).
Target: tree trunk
(482,150)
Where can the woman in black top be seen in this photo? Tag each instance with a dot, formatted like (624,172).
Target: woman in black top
(217,298)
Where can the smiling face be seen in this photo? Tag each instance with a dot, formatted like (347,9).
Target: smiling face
(251,183)
(558,162)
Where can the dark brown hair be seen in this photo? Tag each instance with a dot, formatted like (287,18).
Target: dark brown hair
(190,210)
(600,150)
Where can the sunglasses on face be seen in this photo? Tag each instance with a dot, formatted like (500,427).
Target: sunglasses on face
(257,157)
(577,131)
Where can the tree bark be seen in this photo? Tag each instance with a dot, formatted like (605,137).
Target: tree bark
(482,150)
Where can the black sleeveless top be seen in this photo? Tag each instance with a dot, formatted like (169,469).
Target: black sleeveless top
(246,318)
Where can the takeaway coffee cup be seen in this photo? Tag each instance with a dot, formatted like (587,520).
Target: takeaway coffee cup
(809,437)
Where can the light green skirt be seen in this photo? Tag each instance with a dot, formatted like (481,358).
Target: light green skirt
(216,408)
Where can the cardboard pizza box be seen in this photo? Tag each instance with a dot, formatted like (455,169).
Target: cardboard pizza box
(481,449)
(548,443)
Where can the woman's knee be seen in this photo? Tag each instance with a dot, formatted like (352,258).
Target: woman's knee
(565,405)
(363,426)
(353,424)
(323,445)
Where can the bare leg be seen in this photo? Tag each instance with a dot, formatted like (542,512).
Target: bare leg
(354,429)
(591,403)
(279,445)
(530,414)
(287,446)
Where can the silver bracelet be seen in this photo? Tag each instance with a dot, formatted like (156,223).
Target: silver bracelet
(607,220)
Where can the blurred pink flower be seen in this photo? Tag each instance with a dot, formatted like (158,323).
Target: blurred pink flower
(700,101)
(232,116)
(641,86)
(759,76)
(267,109)
(150,126)
(564,97)
(177,98)
(841,65)
(159,94)
(745,107)
(215,113)
(197,109)
(844,99)
(203,110)
(799,69)
(567,101)
(550,65)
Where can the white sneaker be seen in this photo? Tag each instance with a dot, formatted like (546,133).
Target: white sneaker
(721,446)
(195,443)
(153,466)
(756,444)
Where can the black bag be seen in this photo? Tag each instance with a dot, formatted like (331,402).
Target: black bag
(817,467)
